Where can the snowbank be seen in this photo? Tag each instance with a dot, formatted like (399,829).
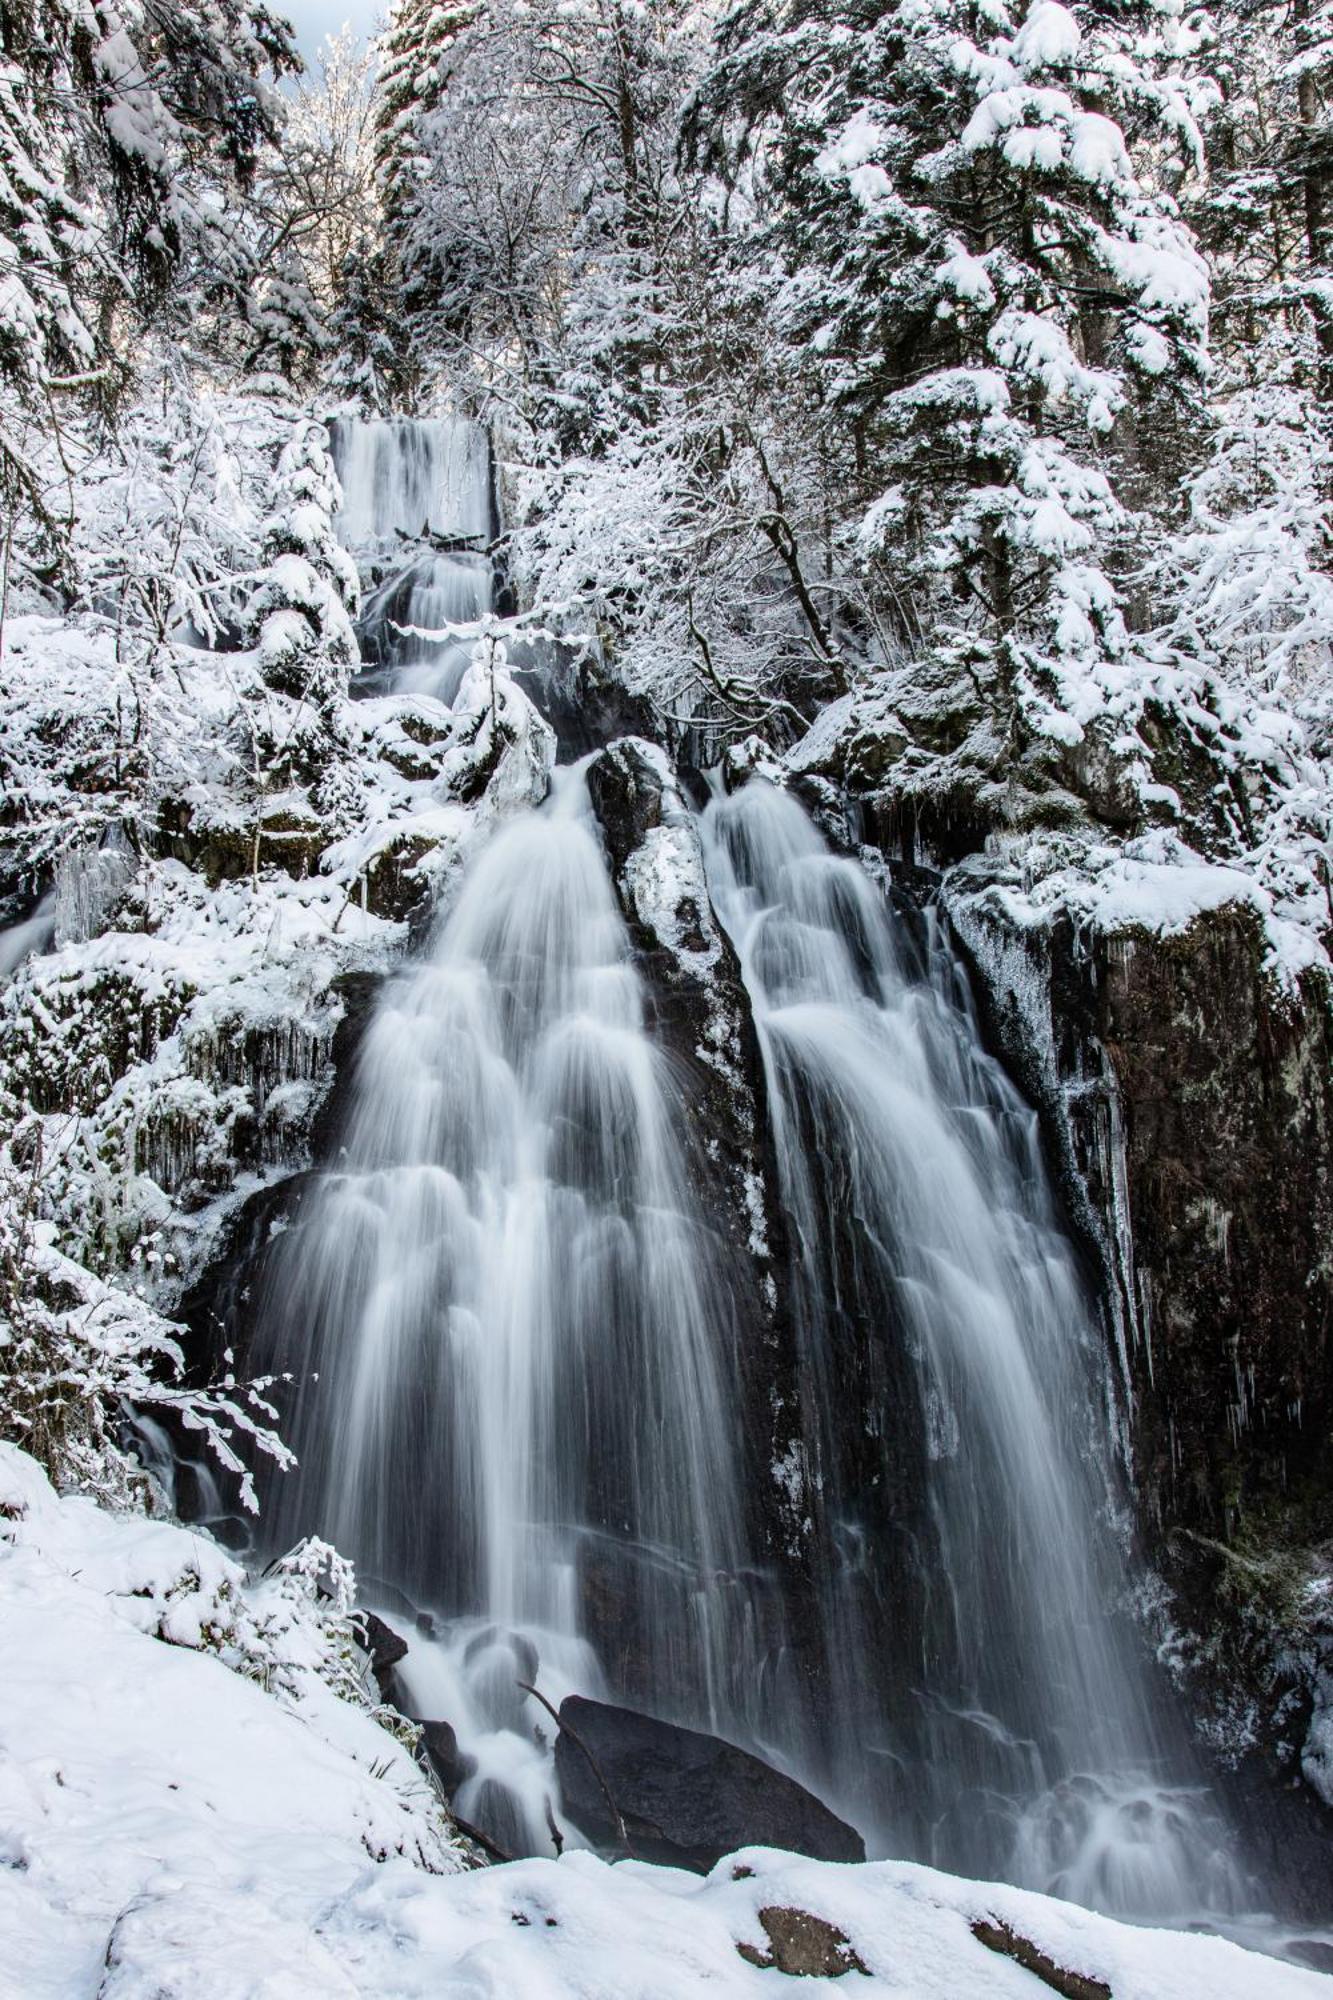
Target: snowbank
(191,1810)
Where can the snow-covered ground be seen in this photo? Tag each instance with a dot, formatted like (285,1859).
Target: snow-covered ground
(196,1803)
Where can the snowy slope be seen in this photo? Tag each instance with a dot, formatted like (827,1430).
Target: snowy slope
(190,1811)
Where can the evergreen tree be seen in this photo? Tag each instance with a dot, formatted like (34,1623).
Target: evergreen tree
(1003,312)
(121,127)
(370,353)
(414,54)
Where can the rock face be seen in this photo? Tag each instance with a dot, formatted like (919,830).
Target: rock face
(802,1946)
(452,1766)
(1188,1101)
(1192,1101)
(385,1649)
(1000,1938)
(681,1798)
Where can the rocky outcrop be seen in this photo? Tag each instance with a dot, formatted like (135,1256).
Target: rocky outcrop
(803,1946)
(1188,1100)
(998,1937)
(452,1766)
(681,1798)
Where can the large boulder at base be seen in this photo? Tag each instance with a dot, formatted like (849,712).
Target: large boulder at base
(681,1798)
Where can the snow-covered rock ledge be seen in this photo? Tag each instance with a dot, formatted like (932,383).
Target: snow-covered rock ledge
(195,1805)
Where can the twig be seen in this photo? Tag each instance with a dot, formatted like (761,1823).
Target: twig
(483,1840)
(593,1765)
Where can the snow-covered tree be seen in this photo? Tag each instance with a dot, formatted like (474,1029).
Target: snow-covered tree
(122,126)
(413,54)
(299,620)
(996,295)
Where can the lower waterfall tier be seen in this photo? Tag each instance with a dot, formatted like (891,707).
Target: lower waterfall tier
(513,1324)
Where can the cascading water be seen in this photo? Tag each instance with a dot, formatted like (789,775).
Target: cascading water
(405,625)
(505,1315)
(31,934)
(412,479)
(513,1338)
(417,512)
(934,1297)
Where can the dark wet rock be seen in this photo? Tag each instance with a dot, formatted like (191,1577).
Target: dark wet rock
(1189,1101)
(393,1599)
(501,1665)
(582,700)
(1008,1943)
(701,1016)
(521,1649)
(384,1646)
(682,1798)
(1315,1952)
(803,1946)
(452,1766)
(629,783)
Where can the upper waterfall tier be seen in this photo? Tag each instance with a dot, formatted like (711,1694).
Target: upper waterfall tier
(412,478)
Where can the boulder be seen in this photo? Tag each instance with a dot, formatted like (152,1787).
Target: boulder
(384,1647)
(681,1798)
(998,1937)
(452,1766)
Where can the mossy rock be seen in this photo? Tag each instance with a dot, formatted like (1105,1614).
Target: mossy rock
(291,837)
(86,1035)
(394,883)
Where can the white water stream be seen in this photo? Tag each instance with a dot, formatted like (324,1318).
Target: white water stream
(933,1290)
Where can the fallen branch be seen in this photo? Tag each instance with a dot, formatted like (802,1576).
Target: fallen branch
(593,1766)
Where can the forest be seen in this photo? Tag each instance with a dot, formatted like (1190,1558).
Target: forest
(666,999)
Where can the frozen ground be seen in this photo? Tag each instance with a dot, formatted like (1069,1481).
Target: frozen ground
(197,1803)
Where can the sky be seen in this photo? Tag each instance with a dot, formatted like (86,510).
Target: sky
(314,19)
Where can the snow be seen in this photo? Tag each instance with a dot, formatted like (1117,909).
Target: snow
(1049,35)
(1097,152)
(856,146)
(1156,883)
(178,1779)
(192,1808)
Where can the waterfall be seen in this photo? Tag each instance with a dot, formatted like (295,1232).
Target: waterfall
(405,622)
(408,487)
(954,1409)
(511,1331)
(31,934)
(413,479)
(507,1323)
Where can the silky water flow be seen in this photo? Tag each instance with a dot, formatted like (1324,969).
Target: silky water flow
(518,1386)
(993,1708)
(512,1334)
